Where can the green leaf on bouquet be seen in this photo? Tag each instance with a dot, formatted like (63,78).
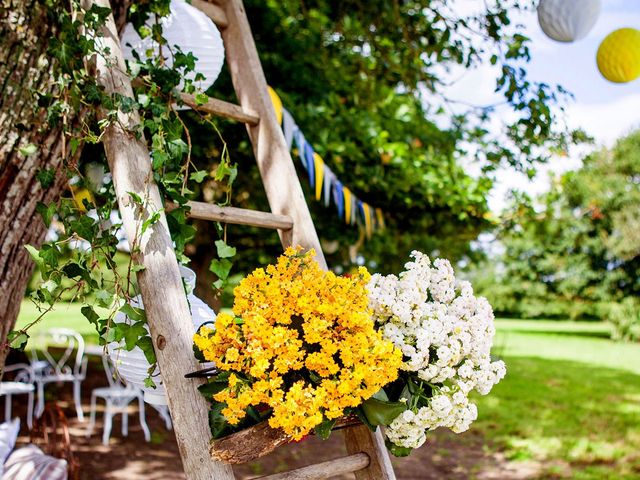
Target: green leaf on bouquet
(398,451)
(380,411)
(323,430)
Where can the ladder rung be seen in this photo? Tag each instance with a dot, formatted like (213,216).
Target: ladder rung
(221,108)
(238,216)
(339,466)
(214,12)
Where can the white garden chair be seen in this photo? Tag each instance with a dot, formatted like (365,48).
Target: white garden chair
(67,368)
(21,384)
(117,398)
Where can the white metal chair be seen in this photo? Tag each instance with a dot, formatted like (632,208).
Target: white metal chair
(66,368)
(117,398)
(163,411)
(21,384)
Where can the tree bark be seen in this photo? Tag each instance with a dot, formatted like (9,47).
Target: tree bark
(24,68)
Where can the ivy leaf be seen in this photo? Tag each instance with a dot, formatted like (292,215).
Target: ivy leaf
(72,270)
(104,298)
(17,339)
(221,268)
(46,212)
(46,177)
(85,227)
(133,333)
(149,383)
(90,314)
(134,313)
(35,255)
(50,255)
(224,250)
(201,98)
(153,218)
(198,176)
(28,150)
(146,345)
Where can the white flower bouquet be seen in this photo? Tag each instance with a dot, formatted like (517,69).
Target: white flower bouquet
(445,334)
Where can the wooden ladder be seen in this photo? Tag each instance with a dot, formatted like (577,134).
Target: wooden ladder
(160,282)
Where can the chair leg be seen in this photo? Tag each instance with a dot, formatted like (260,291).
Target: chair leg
(7,408)
(92,415)
(143,422)
(40,405)
(30,410)
(108,417)
(76,398)
(125,423)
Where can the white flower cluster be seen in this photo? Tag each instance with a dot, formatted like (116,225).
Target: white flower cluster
(445,334)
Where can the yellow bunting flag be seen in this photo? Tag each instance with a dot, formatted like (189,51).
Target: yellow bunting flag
(319,169)
(347,204)
(367,219)
(380,217)
(277,104)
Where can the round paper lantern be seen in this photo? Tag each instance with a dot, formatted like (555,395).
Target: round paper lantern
(192,31)
(132,365)
(567,20)
(618,56)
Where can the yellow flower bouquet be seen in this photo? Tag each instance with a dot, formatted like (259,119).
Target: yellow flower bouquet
(299,351)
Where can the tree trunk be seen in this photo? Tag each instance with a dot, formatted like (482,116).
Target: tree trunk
(25,67)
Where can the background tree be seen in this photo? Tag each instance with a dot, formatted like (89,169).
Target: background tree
(366,83)
(575,250)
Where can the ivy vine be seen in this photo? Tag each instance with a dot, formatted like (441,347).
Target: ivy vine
(84,262)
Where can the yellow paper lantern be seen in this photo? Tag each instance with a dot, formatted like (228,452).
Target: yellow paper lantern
(277,104)
(80,194)
(618,56)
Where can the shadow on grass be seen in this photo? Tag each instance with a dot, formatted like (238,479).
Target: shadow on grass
(560,333)
(567,411)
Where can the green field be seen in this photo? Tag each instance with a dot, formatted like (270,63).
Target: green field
(571,398)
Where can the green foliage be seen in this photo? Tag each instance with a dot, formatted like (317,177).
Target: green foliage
(576,249)
(364,82)
(569,399)
(82,262)
(625,320)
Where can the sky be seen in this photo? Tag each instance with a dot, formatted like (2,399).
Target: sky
(604,110)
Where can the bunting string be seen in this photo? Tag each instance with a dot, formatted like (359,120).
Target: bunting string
(324,183)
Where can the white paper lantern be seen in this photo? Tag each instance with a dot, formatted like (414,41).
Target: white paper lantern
(192,31)
(132,365)
(568,20)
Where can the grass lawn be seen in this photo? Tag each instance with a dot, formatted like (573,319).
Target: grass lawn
(570,401)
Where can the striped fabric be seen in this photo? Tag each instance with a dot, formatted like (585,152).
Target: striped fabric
(30,463)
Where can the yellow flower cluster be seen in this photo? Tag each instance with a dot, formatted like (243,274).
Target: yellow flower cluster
(304,344)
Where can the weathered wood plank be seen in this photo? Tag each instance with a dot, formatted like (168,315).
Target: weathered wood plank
(160,282)
(214,12)
(279,176)
(222,109)
(361,439)
(319,471)
(238,216)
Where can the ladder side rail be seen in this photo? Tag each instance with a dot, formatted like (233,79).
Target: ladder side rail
(277,170)
(160,283)
(283,188)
